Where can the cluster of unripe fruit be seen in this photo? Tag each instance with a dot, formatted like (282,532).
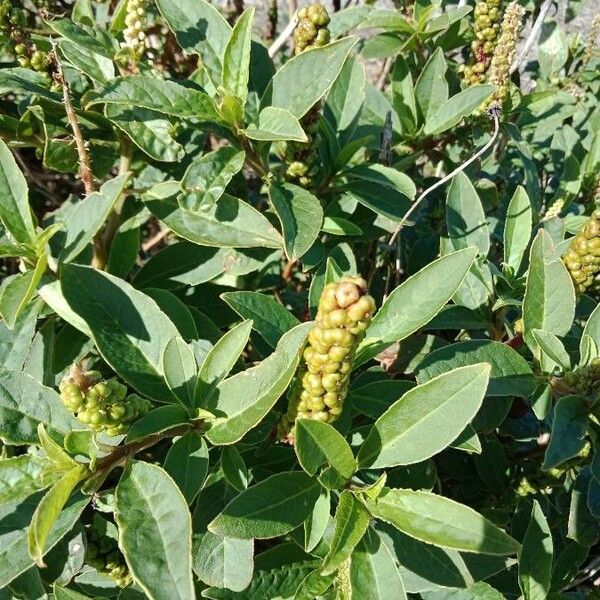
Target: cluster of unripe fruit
(103,405)
(134,34)
(584,380)
(103,554)
(582,259)
(487,27)
(311,30)
(301,158)
(321,383)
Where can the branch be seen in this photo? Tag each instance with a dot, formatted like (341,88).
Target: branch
(283,37)
(493,112)
(533,35)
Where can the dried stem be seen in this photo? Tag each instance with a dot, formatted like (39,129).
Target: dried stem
(283,36)
(533,35)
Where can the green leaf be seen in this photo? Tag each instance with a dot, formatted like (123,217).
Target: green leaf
(245,398)
(158,420)
(166,96)
(454,109)
(226,223)
(224,562)
(234,468)
(148,130)
(347,95)
(318,444)
(403,95)
(24,404)
(384,176)
(199,28)
(316,524)
(62,593)
(93,39)
(340,226)
(553,48)
(440,521)
(351,522)
(15,518)
(276,124)
(22,476)
(373,570)
(97,67)
(180,370)
(552,348)
(128,328)
(465,219)
(48,511)
(206,178)
(549,301)
(187,464)
(236,59)
(299,73)
(427,419)
(271,508)
(510,374)
(535,560)
(155,531)
(517,228)
(89,216)
(268,316)
(426,292)
(569,427)
(431,89)
(301,217)
(15,213)
(220,360)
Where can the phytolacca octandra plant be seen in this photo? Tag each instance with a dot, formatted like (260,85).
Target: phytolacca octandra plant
(103,553)
(102,404)
(583,256)
(321,383)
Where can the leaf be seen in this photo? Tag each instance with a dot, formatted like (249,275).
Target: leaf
(226,223)
(403,95)
(373,570)
(236,59)
(93,39)
(224,562)
(552,348)
(89,216)
(62,593)
(148,130)
(316,524)
(268,316)
(340,226)
(386,177)
(351,522)
(465,219)
(219,361)
(549,301)
(535,560)
(301,217)
(187,463)
(271,508)
(22,476)
(48,511)
(456,108)
(318,444)
(347,95)
(440,521)
(510,374)
(15,518)
(427,419)
(97,67)
(569,427)
(426,292)
(127,326)
(553,48)
(245,398)
(158,420)
(206,178)
(431,89)
(155,531)
(234,468)
(24,404)
(179,367)
(15,213)
(517,228)
(276,124)
(166,96)
(299,72)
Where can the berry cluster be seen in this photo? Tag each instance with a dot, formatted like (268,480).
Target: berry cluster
(301,158)
(487,26)
(584,380)
(134,34)
(103,553)
(311,30)
(554,209)
(591,42)
(103,405)
(582,259)
(321,383)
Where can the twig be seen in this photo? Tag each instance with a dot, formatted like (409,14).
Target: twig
(533,35)
(283,36)
(385,71)
(155,239)
(493,112)
(85,169)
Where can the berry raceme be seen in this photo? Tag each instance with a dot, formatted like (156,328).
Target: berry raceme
(103,554)
(584,381)
(321,383)
(582,259)
(103,405)
(134,34)
(311,30)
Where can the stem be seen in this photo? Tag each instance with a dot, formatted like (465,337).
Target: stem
(533,35)
(458,169)
(283,36)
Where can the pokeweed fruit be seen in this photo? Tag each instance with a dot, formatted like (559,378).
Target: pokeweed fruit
(582,259)
(311,30)
(321,382)
(102,553)
(134,34)
(103,405)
